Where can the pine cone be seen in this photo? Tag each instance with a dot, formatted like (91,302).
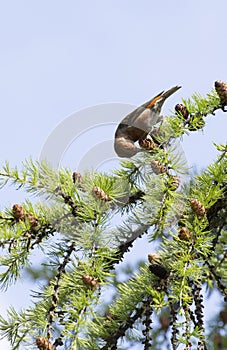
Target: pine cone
(174,182)
(33,222)
(155,267)
(18,212)
(44,344)
(154,258)
(197,207)
(159,271)
(90,281)
(99,193)
(221,89)
(182,110)
(77,177)
(148,144)
(184,234)
(157,167)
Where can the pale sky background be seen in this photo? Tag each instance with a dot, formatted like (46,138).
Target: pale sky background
(60,57)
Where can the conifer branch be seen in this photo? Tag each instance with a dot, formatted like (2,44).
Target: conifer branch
(55,297)
(188,224)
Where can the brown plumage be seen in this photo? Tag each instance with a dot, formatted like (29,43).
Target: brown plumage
(137,124)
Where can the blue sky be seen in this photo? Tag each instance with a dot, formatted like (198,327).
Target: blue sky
(60,57)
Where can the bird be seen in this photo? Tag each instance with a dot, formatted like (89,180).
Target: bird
(137,124)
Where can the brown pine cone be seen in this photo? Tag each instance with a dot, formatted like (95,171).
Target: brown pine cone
(33,222)
(159,271)
(182,110)
(197,207)
(90,281)
(174,182)
(99,193)
(156,266)
(221,89)
(157,167)
(148,144)
(44,344)
(18,212)
(77,177)
(184,234)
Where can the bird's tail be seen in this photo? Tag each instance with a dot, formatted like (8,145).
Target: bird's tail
(161,97)
(170,91)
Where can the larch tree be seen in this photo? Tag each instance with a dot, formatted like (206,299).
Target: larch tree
(82,226)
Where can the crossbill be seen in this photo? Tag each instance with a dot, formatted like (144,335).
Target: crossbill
(137,124)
